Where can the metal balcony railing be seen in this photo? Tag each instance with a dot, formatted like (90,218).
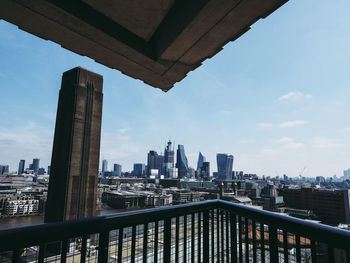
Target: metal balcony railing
(210,231)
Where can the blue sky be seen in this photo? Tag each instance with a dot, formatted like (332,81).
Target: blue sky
(277,98)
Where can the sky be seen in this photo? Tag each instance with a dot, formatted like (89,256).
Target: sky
(277,98)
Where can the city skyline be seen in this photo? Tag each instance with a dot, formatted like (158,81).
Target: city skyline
(273,99)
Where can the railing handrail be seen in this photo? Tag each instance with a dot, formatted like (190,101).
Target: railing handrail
(26,236)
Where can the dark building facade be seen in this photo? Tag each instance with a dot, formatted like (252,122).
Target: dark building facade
(181,162)
(139,169)
(35,165)
(331,206)
(225,166)
(72,190)
(21,166)
(201,160)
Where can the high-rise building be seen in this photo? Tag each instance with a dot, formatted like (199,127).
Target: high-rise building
(152,161)
(104,166)
(139,169)
(168,159)
(155,161)
(35,166)
(181,162)
(117,170)
(201,160)
(225,165)
(72,192)
(347,174)
(4,169)
(205,171)
(21,167)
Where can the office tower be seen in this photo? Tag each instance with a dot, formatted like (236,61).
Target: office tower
(201,160)
(152,161)
(35,166)
(72,192)
(139,169)
(117,170)
(41,171)
(168,159)
(205,171)
(21,167)
(225,165)
(181,162)
(4,169)
(347,174)
(104,166)
(160,163)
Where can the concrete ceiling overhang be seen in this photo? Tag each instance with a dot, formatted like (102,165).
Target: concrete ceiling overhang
(156,41)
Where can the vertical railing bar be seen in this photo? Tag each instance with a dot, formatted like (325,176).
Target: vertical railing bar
(103,247)
(192,238)
(120,245)
(246,234)
(133,243)
(199,239)
(83,249)
(285,246)
(145,243)
(64,246)
(297,247)
(212,237)
(177,226)
(222,236)
(254,240)
(218,235)
(262,241)
(313,251)
(273,244)
(205,236)
(167,240)
(156,241)
(330,254)
(185,239)
(15,256)
(41,256)
(227,237)
(233,237)
(240,250)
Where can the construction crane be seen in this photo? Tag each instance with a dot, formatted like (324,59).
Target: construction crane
(301,173)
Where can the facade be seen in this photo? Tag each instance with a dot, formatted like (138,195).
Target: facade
(205,171)
(346,174)
(25,206)
(201,160)
(139,169)
(35,165)
(169,158)
(72,191)
(117,170)
(181,162)
(4,169)
(155,161)
(21,166)
(331,206)
(104,166)
(225,166)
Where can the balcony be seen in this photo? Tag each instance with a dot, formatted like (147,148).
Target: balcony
(210,231)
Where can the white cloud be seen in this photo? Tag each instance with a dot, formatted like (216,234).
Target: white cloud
(285,139)
(288,124)
(347,128)
(265,125)
(294,95)
(123,130)
(293,145)
(326,143)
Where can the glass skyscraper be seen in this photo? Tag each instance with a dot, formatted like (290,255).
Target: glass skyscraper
(104,166)
(36,165)
(117,170)
(225,166)
(21,167)
(201,160)
(139,169)
(181,162)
